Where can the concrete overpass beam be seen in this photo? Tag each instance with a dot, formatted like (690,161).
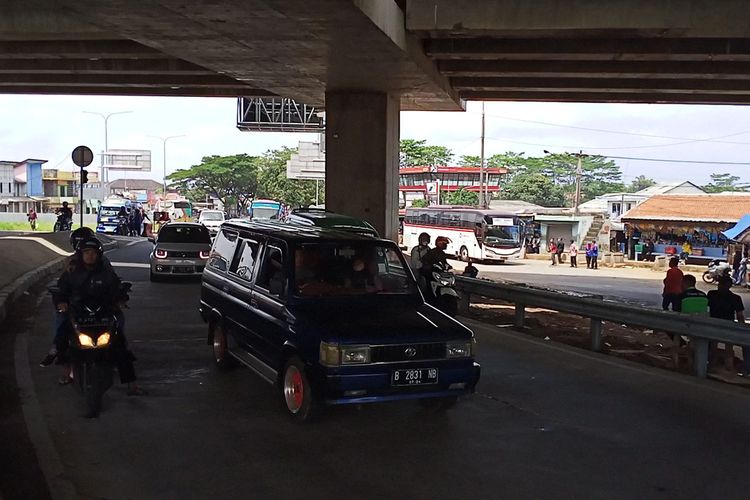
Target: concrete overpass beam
(362,146)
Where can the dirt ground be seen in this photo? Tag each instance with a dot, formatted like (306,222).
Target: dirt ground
(632,343)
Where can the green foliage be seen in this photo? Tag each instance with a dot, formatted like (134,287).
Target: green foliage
(534,187)
(460,197)
(224,177)
(416,153)
(640,182)
(420,203)
(274,184)
(725,182)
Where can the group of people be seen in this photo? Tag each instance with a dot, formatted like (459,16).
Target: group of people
(680,294)
(557,248)
(135,219)
(423,258)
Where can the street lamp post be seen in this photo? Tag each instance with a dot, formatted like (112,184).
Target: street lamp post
(164,156)
(105,177)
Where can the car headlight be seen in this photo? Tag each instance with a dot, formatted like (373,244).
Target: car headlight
(337,355)
(85,340)
(459,349)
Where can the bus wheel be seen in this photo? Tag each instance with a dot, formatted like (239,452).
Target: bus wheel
(463,254)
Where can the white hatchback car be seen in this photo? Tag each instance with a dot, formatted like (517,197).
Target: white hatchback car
(180,249)
(212,219)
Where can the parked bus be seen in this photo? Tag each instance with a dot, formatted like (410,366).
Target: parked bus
(482,235)
(265,209)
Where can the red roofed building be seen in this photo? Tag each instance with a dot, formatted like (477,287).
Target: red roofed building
(413,181)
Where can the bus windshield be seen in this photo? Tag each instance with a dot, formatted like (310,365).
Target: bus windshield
(502,235)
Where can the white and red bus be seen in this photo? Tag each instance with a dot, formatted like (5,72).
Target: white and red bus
(479,234)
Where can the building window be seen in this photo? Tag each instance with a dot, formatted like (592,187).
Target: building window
(616,208)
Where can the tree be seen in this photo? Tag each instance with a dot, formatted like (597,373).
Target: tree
(231,179)
(274,184)
(641,182)
(725,182)
(416,153)
(534,188)
(460,197)
(420,203)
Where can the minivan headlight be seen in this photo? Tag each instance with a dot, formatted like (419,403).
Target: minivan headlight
(459,349)
(337,355)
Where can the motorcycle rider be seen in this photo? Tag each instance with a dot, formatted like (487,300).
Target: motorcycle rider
(419,251)
(89,281)
(435,256)
(65,213)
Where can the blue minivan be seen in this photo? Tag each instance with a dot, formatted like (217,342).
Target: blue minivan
(330,318)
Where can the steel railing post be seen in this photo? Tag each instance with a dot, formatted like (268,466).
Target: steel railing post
(700,359)
(520,317)
(596,334)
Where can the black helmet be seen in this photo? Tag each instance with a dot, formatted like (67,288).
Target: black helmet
(423,236)
(79,235)
(90,242)
(65,204)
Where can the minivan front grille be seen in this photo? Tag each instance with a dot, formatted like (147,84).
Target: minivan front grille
(407,352)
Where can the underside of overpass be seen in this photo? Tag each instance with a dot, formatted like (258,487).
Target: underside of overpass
(364,60)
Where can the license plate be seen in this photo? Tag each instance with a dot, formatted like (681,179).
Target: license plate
(183,269)
(415,376)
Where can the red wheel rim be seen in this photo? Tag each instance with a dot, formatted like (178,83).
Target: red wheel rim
(294,389)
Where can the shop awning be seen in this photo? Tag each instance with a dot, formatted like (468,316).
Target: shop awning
(742,225)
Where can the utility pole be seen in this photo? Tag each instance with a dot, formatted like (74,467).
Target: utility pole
(579,172)
(482,199)
(104,173)
(164,157)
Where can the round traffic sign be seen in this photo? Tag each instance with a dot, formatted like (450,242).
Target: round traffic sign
(82,156)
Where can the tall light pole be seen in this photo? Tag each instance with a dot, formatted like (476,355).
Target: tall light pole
(164,156)
(105,178)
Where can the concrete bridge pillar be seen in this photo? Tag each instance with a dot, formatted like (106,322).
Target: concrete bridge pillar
(362,152)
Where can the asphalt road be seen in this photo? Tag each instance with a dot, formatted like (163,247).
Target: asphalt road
(548,421)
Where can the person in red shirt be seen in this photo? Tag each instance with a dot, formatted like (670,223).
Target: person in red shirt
(672,286)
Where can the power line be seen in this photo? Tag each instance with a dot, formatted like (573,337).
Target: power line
(669,160)
(636,134)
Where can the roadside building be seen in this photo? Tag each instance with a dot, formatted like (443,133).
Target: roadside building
(419,183)
(699,219)
(21,185)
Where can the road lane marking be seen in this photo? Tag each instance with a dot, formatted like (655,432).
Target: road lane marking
(138,265)
(41,241)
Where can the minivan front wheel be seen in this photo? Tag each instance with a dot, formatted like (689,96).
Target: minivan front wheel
(297,392)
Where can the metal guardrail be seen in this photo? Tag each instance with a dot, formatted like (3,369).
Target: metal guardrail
(701,329)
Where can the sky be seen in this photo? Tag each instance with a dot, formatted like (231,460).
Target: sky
(49,127)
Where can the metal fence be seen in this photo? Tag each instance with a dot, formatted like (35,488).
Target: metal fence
(701,329)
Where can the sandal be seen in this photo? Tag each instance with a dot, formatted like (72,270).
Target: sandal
(65,380)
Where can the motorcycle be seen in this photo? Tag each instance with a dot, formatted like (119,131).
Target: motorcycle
(716,269)
(63,223)
(91,340)
(441,292)
(123,229)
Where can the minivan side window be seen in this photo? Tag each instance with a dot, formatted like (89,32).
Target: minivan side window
(272,276)
(223,250)
(244,261)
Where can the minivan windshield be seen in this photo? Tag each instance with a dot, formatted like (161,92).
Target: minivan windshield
(350,268)
(184,234)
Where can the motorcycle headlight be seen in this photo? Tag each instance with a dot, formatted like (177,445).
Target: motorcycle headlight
(85,340)
(103,340)
(459,349)
(448,280)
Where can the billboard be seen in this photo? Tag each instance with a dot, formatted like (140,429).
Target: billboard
(277,114)
(128,159)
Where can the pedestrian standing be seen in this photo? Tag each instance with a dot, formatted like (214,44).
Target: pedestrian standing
(32,218)
(594,255)
(588,255)
(724,304)
(573,254)
(560,250)
(672,286)
(553,251)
